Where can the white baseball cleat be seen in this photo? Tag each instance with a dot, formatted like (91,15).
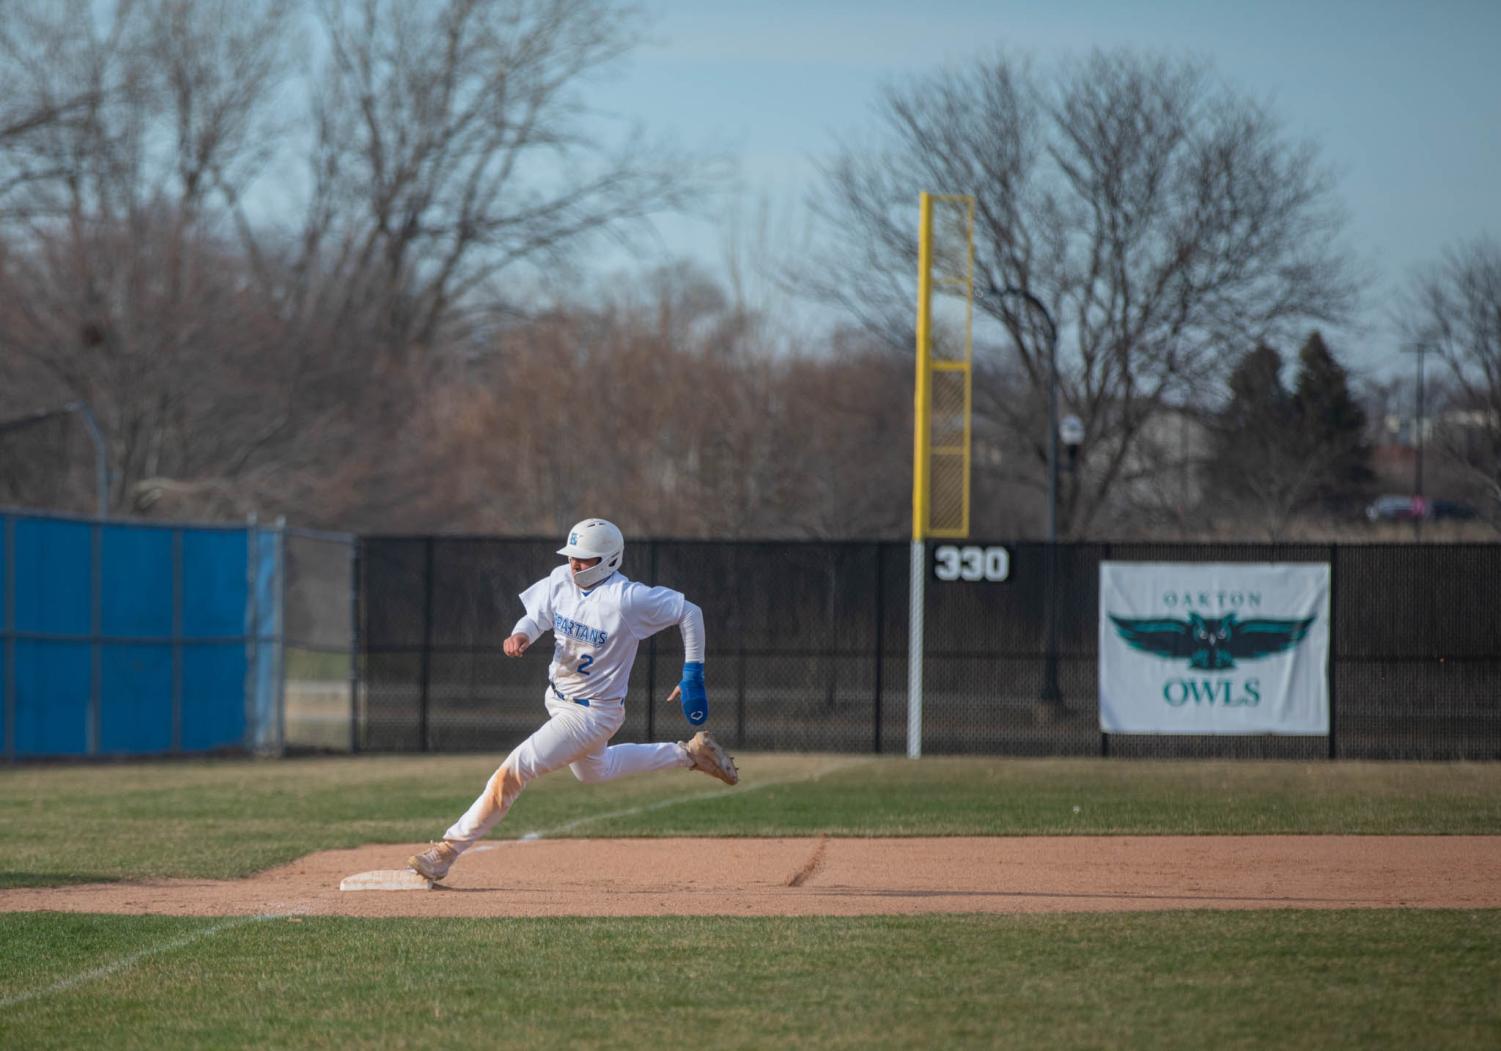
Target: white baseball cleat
(434,862)
(711,759)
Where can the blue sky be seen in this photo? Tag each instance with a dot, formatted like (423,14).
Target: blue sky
(1402,98)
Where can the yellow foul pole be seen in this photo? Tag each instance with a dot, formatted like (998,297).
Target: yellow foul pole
(921,432)
(921,429)
(942,402)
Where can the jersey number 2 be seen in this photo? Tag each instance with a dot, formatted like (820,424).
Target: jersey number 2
(584,662)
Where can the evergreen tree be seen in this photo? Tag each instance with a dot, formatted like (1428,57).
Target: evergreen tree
(1331,428)
(1252,432)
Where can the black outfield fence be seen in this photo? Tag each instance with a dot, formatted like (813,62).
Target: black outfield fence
(807,649)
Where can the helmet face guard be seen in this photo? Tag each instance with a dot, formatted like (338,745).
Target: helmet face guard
(594,538)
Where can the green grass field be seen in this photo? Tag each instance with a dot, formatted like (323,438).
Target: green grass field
(230,818)
(1263,979)
(1183,980)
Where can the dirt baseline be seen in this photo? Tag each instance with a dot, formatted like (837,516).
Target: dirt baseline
(845,877)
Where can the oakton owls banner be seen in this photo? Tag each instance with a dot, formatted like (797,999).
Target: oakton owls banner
(1214,648)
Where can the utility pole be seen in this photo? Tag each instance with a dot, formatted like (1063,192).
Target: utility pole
(1420,506)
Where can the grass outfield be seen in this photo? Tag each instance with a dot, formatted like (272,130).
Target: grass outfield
(227,818)
(1279,979)
(1151,980)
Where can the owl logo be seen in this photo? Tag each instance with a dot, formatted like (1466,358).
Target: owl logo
(1211,643)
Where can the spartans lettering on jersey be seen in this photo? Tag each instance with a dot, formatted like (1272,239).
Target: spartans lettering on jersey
(561,625)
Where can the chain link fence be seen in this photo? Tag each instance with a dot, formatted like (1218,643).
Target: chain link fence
(807,649)
(319,681)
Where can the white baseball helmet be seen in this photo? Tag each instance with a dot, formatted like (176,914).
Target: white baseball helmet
(594,538)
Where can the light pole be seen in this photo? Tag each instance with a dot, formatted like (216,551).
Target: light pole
(1050,691)
(101,457)
(1071,432)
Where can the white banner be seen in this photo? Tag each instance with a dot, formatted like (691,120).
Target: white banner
(1214,648)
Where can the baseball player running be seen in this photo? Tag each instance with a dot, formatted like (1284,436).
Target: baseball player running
(598,617)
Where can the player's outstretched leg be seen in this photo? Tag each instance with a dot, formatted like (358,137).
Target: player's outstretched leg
(435,861)
(483,815)
(709,758)
(623,760)
(561,739)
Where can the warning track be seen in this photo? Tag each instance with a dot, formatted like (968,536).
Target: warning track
(845,877)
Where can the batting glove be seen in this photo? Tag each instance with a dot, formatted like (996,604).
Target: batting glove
(694,699)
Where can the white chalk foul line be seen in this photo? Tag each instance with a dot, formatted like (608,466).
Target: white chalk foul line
(663,804)
(124,963)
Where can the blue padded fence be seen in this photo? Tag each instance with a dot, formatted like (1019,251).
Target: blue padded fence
(126,639)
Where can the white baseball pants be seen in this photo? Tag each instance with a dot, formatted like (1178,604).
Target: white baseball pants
(573,736)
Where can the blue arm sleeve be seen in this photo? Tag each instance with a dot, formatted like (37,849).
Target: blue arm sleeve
(694,698)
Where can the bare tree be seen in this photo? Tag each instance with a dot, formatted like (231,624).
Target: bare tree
(453,147)
(26,113)
(126,292)
(257,346)
(1158,216)
(1454,308)
(662,401)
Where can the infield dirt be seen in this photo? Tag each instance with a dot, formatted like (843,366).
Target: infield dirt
(844,877)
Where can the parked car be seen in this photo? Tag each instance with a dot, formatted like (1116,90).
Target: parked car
(1394,508)
(1451,509)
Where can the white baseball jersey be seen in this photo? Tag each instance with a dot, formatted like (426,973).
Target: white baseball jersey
(596,632)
